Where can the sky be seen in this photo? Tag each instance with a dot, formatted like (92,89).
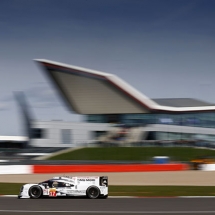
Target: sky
(165,49)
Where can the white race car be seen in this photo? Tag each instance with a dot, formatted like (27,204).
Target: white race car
(93,187)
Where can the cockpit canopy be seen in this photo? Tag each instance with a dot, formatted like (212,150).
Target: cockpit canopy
(56,183)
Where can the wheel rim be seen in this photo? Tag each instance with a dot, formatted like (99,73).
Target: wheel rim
(35,192)
(93,192)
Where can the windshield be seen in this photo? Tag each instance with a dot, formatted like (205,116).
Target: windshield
(48,182)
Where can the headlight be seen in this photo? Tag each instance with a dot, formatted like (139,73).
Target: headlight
(21,189)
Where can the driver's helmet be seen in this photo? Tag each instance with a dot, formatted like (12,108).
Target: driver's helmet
(54,184)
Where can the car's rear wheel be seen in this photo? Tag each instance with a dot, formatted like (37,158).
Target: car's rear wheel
(93,192)
(35,192)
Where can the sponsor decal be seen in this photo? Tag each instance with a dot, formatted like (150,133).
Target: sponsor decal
(76,191)
(88,179)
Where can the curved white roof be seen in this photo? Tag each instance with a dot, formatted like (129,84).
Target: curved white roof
(93,92)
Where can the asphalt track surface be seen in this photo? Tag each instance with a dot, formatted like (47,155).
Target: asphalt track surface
(131,206)
(116,206)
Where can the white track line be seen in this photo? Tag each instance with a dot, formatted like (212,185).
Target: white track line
(113,212)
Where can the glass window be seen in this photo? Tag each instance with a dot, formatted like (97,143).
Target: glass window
(66,136)
(97,134)
(184,119)
(37,133)
(96,118)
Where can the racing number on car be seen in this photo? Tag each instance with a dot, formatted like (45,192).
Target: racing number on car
(52,193)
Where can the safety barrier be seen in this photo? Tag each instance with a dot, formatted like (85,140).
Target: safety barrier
(108,168)
(31,169)
(16,169)
(35,169)
(208,167)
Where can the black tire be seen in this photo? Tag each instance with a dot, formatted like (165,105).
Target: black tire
(35,192)
(104,197)
(93,192)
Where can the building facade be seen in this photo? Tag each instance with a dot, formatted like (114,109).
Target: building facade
(65,134)
(105,99)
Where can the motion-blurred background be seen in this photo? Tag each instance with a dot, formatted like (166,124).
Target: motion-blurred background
(155,104)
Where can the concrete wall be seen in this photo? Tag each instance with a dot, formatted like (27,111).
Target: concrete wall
(79,133)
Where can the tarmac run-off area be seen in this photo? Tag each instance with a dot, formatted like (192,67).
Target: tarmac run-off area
(190,178)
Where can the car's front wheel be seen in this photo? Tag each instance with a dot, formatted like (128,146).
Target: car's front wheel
(35,192)
(93,192)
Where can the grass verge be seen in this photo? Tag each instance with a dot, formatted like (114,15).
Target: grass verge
(134,153)
(162,191)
